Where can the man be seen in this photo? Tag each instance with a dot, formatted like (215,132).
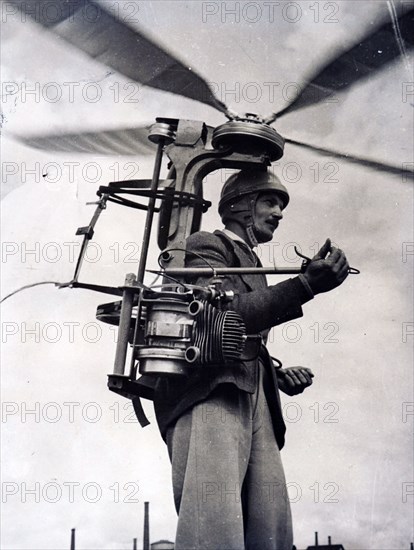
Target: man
(223,425)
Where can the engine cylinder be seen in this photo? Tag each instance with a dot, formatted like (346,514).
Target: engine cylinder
(181,335)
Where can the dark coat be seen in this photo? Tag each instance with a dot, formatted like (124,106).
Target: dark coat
(261,307)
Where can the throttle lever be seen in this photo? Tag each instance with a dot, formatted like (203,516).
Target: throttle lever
(307,261)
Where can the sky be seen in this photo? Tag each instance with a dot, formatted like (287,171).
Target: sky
(79,459)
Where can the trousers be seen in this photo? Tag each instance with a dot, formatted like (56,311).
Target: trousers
(228,479)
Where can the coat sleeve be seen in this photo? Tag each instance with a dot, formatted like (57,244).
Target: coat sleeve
(261,308)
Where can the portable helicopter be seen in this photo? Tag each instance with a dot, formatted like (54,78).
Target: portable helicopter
(367,224)
(194,150)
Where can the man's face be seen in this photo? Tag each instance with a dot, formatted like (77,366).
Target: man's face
(268,213)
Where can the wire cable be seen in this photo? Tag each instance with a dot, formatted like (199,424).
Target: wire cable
(181,250)
(213,269)
(188,252)
(56,283)
(162,272)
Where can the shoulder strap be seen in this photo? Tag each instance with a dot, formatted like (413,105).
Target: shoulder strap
(230,246)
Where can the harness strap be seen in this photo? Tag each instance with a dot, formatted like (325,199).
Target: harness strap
(139,411)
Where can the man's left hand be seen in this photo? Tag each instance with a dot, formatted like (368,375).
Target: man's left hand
(294,380)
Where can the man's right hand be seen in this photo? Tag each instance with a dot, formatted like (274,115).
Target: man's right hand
(327,269)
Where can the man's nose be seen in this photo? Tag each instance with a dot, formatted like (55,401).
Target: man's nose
(277,212)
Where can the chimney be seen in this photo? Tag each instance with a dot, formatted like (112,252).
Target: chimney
(146,543)
(316,539)
(72,539)
(329,541)
(135,544)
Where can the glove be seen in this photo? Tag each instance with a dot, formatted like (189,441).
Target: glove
(328,269)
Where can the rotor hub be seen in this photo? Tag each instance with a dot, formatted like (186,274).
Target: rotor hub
(249,135)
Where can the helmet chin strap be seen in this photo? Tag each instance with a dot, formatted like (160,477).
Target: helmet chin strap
(251,225)
(248,223)
(252,241)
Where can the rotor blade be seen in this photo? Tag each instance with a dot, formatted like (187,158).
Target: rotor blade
(125,141)
(86,25)
(403,171)
(374,52)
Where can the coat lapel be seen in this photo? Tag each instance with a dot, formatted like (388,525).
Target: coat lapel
(245,258)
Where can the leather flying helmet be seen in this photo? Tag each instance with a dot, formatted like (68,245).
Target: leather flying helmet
(239,195)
